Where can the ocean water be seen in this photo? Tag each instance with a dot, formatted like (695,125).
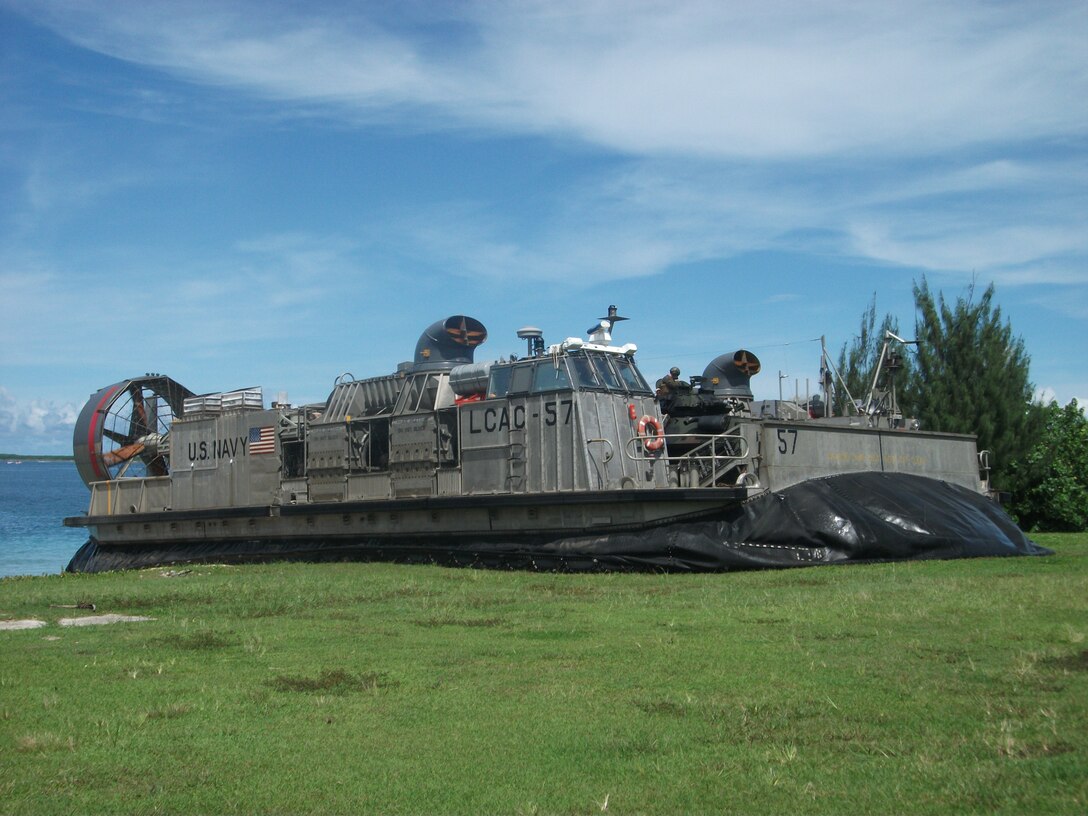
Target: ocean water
(34,499)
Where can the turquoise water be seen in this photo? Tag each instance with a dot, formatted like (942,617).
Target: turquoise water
(34,499)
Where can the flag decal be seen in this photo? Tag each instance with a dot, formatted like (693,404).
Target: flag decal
(262,440)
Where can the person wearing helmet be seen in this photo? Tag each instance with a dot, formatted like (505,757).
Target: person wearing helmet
(667,388)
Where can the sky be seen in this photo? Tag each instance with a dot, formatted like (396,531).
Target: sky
(240,193)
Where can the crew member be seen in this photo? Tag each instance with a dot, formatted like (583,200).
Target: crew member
(668,387)
(668,384)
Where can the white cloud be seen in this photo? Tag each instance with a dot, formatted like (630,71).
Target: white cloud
(926,135)
(657,213)
(896,132)
(1047,395)
(1038,177)
(244,294)
(936,241)
(796,79)
(780,79)
(35,426)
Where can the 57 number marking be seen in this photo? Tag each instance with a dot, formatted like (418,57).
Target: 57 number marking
(550,414)
(785,445)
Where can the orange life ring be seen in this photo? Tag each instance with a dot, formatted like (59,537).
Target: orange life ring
(650,427)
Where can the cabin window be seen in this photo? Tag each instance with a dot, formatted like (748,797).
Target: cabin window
(631,376)
(499,384)
(551,376)
(522,379)
(608,376)
(581,371)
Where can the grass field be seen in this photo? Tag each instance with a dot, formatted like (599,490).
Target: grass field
(931,687)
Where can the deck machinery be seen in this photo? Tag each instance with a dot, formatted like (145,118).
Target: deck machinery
(563,459)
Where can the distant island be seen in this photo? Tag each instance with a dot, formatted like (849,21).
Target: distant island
(33,457)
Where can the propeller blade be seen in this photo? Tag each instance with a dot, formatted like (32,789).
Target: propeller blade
(116,436)
(116,457)
(139,414)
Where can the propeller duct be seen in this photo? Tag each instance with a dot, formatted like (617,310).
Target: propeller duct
(123,430)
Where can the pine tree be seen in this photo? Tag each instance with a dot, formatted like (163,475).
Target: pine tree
(971,376)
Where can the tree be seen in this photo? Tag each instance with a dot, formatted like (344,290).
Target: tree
(857,363)
(1054,474)
(971,376)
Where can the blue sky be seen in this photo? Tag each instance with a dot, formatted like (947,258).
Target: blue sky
(262,193)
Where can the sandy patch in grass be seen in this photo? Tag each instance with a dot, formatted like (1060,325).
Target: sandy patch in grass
(86,620)
(12,625)
(100,620)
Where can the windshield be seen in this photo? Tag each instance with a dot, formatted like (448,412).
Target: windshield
(582,371)
(631,376)
(607,375)
(551,376)
(500,382)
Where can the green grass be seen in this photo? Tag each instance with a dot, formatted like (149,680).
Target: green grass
(930,687)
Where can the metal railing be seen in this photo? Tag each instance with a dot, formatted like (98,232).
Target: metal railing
(120,496)
(714,455)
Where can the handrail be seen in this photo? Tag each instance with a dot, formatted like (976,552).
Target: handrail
(707,460)
(692,455)
(609,453)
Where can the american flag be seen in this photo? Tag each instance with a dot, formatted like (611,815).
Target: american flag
(262,440)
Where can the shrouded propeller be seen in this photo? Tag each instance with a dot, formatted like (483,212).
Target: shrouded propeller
(123,429)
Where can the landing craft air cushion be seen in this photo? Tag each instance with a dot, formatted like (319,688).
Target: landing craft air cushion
(563,459)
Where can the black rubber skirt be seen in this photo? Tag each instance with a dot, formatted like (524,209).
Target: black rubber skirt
(857,517)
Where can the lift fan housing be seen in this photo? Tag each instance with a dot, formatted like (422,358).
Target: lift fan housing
(123,430)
